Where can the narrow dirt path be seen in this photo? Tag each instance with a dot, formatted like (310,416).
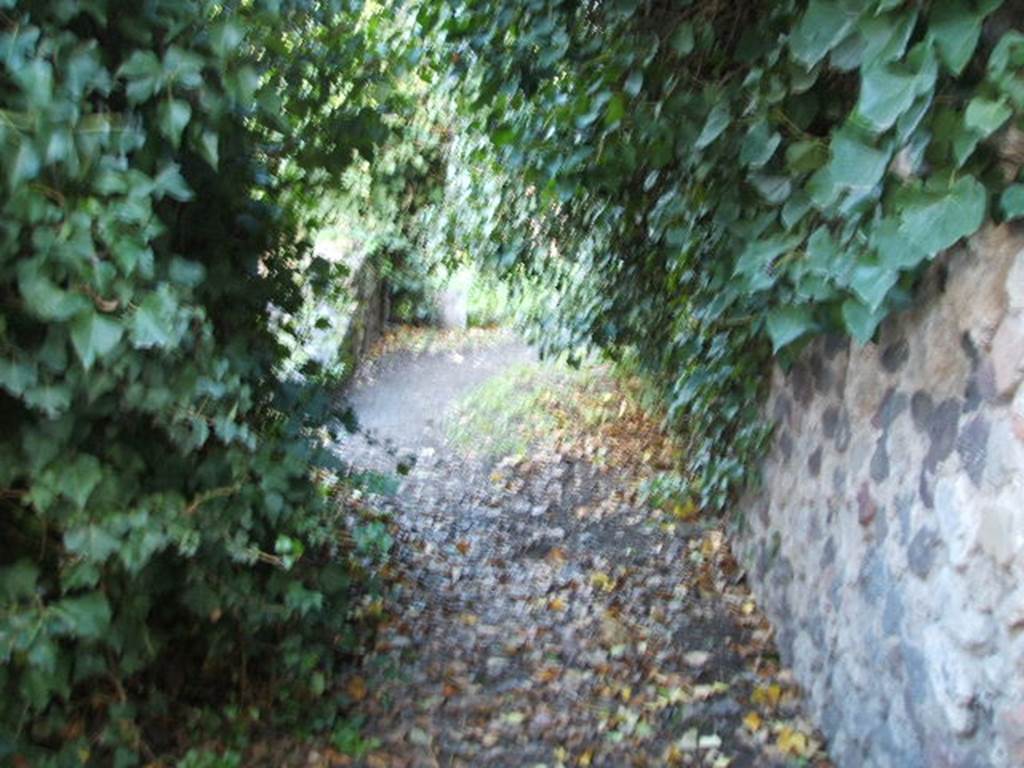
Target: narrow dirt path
(541,615)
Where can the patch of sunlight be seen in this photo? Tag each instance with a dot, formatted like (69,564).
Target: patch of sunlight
(506,415)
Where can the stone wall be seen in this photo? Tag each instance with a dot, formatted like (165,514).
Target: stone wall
(887,539)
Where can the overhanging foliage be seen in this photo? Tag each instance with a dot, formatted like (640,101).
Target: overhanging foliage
(166,536)
(706,184)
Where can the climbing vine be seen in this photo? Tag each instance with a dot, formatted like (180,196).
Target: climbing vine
(692,188)
(702,186)
(167,533)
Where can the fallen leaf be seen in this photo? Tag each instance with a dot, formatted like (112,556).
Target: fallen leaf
(548,674)
(685,511)
(709,741)
(767,695)
(356,688)
(419,737)
(688,741)
(701,692)
(602,581)
(696,658)
(792,742)
(753,722)
(557,555)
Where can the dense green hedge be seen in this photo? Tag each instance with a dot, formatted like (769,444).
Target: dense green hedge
(706,183)
(166,532)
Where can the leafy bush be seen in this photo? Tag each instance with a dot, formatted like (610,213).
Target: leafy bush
(703,185)
(167,536)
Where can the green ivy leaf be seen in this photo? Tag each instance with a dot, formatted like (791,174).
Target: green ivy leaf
(895,250)
(185,272)
(885,94)
(18,581)
(759,145)
(43,297)
(171,183)
(182,67)
(173,115)
(143,74)
(755,262)
(855,164)
(823,255)
(35,79)
(936,220)
(822,188)
(1007,56)
(795,209)
(152,325)
(886,35)
(775,190)
(615,110)
(22,162)
(786,324)
(94,336)
(79,477)
(861,323)
(1012,201)
(225,38)
(872,282)
(91,542)
(17,376)
(806,156)
(209,149)
(718,120)
(682,39)
(86,617)
(52,399)
(634,82)
(824,24)
(986,116)
(956,27)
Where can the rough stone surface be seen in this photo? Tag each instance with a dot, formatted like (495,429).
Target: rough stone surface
(895,506)
(1008,354)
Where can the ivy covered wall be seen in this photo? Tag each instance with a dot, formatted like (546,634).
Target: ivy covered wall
(887,542)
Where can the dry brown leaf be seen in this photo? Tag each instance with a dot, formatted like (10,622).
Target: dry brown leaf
(356,688)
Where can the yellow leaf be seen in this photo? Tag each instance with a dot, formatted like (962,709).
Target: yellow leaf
(711,543)
(753,721)
(356,688)
(685,511)
(748,607)
(556,604)
(586,758)
(792,742)
(602,581)
(767,695)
